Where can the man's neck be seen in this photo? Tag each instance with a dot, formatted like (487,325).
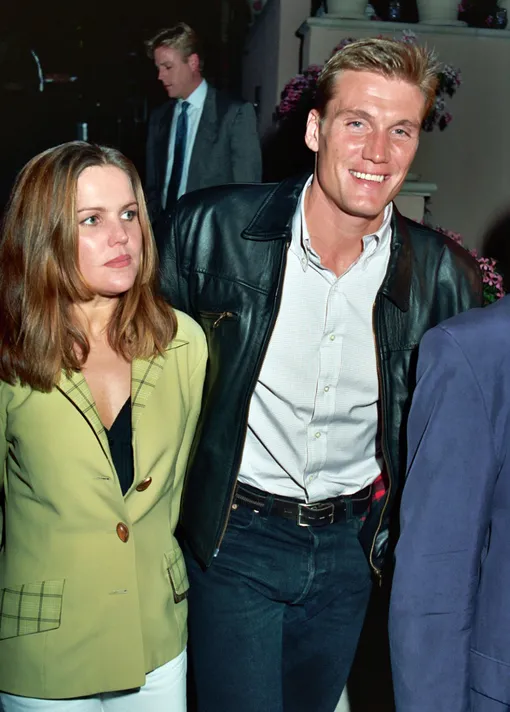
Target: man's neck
(192,88)
(336,236)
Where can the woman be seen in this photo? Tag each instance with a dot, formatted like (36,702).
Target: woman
(100,393)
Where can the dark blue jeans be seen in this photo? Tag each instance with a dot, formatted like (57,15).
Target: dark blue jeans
(275,621)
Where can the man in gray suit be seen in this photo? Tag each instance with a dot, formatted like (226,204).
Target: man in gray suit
(201,137)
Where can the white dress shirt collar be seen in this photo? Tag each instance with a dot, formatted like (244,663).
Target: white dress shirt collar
(301,244)
(197,97)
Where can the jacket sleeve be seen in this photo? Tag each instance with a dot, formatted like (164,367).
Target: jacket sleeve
(152,190)
(452,468)
(460,281)
(245,146)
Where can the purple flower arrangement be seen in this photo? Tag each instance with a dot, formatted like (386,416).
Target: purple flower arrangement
(298,94)
(449,81)
(492,280)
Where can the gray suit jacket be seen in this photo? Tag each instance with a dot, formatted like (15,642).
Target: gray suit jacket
(226,148)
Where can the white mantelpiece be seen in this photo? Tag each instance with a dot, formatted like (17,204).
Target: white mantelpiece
(413,200)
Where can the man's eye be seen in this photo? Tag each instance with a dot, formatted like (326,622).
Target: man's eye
(402,132)
(355,124)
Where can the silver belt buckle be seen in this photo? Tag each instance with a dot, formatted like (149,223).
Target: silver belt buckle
(327,509)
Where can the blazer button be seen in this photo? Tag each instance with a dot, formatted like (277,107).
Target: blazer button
(122,531)
(144,484)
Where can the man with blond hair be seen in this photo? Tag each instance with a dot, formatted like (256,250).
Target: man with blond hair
(314,294)
(199,138)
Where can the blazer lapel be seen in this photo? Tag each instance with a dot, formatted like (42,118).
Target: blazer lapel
(76,389)
(145,374)
(207,134)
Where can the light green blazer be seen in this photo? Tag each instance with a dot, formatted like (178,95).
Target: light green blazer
(92,583)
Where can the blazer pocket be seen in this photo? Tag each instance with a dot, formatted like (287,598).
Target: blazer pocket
(177,574)
(30,608)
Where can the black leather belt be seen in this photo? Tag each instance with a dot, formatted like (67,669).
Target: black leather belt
(328,511)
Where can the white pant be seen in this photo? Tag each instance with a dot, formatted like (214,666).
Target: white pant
(164,691)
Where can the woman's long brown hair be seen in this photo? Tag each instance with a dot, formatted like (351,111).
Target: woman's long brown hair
(40,280)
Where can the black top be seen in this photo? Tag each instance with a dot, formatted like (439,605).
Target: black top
(119,438)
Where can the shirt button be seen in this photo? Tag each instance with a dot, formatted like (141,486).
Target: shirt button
(317,435)
(331,337)
(303,260)
(122,532)
(326,389)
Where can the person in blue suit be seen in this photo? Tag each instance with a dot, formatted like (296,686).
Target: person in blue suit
(450,605)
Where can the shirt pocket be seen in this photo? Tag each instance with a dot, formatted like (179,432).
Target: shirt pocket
(177,574)
(30,608)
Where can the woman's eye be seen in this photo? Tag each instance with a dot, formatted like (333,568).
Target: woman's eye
(92,220)
(129,215)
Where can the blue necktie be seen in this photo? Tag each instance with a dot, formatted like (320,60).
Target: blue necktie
(179,151)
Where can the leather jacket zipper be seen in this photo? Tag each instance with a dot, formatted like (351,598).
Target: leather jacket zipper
(375,569)
(218,317)
(258,367)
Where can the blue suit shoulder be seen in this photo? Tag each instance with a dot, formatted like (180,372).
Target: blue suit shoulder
(228,99)
(482,334)
(491,321)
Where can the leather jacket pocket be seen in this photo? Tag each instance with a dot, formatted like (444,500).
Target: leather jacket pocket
(30,608)
(177,574)
(215,318)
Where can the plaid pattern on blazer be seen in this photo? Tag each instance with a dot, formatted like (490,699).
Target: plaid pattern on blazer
(30,608)
(178,575)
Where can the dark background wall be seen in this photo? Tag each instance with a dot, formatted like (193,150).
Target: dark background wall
(100,42)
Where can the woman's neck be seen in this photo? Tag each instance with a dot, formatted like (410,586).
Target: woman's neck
(95,315)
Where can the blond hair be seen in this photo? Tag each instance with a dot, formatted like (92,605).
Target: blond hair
(40,278)
(180,37)
(392,58)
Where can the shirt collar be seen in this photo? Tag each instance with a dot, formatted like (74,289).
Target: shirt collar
(301,244)
(197,97)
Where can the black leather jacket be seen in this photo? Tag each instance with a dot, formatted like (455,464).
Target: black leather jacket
(223,255)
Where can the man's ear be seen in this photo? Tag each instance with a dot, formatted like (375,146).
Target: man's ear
(313,130)
(194,62)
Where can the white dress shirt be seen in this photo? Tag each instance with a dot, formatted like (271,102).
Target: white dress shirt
(313,418)
(196,105)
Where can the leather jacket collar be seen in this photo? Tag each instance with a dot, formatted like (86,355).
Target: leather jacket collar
(273,221)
